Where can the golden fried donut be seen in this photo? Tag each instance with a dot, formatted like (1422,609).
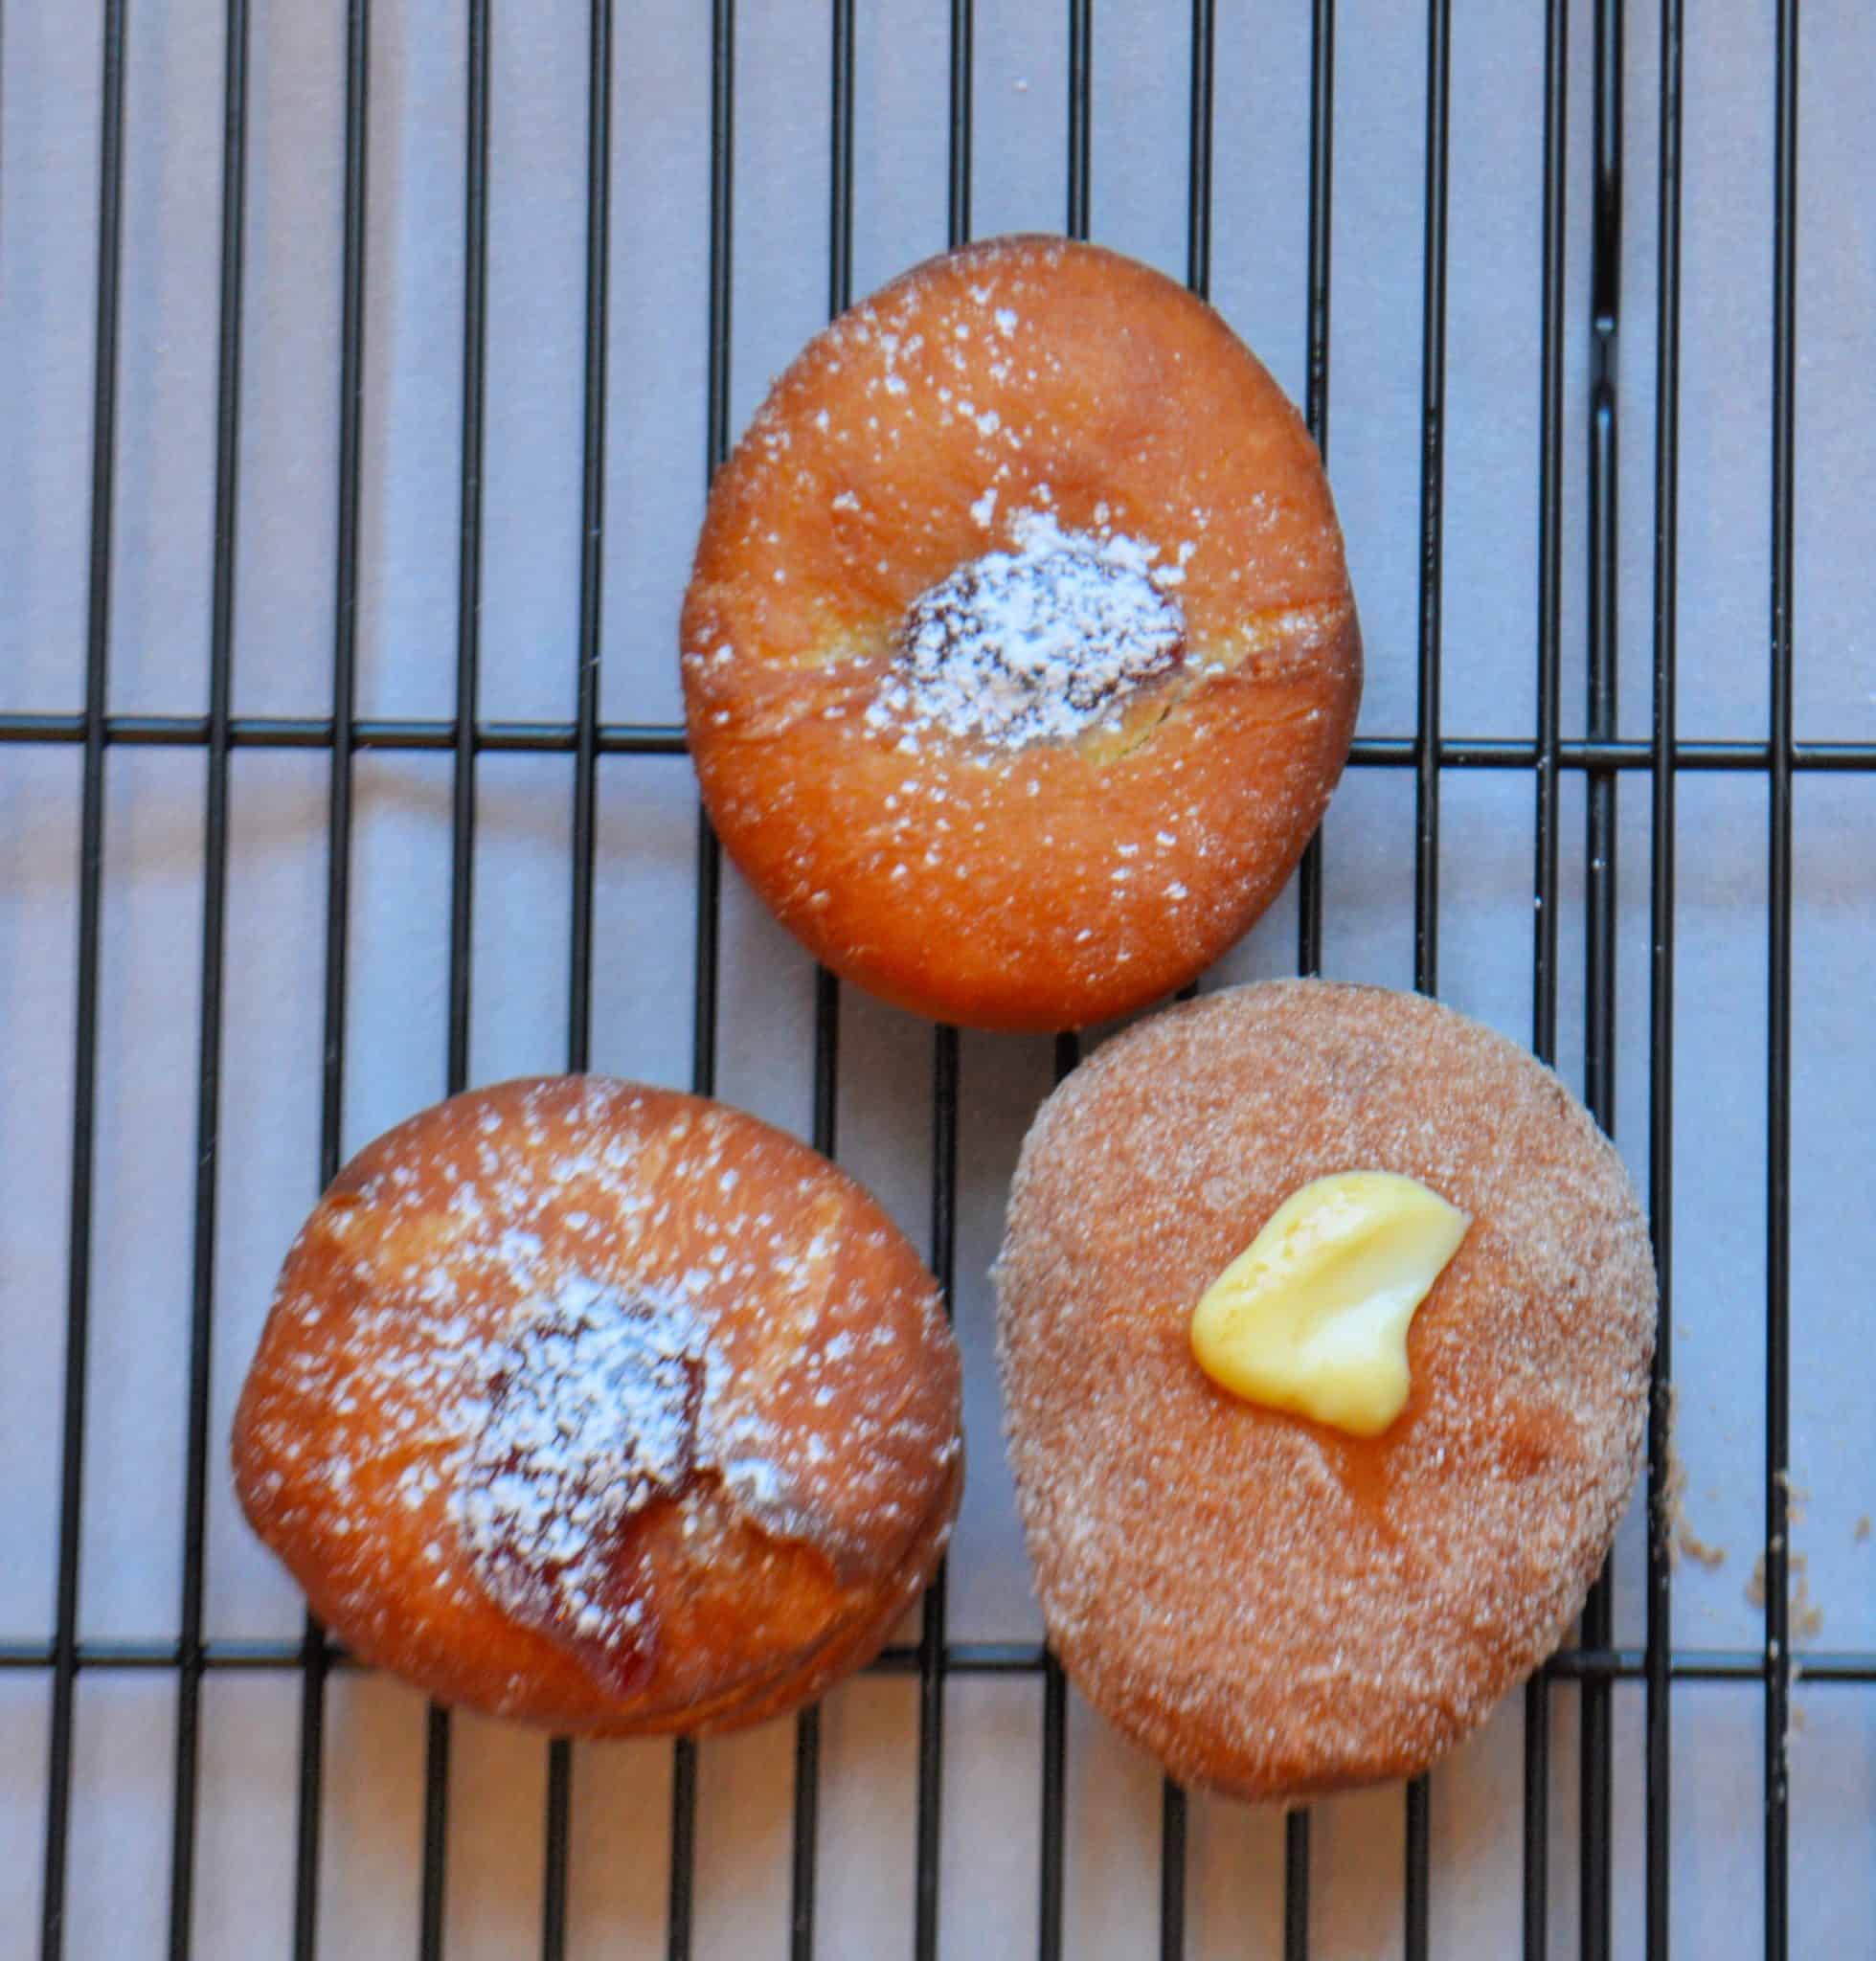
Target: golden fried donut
(604,1408)
(1271,1607)
(1019,656)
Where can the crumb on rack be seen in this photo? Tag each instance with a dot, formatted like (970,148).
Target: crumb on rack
(1679,1534)
(1805,1619)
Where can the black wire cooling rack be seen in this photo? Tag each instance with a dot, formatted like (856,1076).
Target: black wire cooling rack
(1592,1662)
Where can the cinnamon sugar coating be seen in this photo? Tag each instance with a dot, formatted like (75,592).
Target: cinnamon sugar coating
(1272,1608)
(1018,838)
(604,1407)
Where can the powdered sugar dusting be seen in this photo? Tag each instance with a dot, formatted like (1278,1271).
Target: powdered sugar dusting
(1034,645)
(591,1413)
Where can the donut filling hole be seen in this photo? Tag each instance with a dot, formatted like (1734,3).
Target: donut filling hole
(589,1413)
(1311,1316)
(1035,644)
(594,1415)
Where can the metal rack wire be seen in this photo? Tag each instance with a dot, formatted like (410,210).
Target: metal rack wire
(1602,757)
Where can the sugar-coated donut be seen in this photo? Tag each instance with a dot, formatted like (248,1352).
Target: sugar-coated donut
(604,1407)
(1019,655)
(1271,1607)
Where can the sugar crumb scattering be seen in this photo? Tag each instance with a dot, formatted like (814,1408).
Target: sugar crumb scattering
(1681,1537)
(1804,1618)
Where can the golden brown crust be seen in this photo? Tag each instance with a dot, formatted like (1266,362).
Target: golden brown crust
(1271,1608)
(828,1458)
(1064,881)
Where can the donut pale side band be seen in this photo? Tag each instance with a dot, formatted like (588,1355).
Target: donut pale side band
(999,882)
(604,1408)
(1271,1607)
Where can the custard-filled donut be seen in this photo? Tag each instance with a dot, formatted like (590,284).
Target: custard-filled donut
(604,1407)
(1019,655)
(1272,1607)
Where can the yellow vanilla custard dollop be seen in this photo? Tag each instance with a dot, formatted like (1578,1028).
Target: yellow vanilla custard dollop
(1311,1316)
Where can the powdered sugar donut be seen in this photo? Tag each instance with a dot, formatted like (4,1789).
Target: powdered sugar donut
(606,1407)
(1270,1606)
(1019,655)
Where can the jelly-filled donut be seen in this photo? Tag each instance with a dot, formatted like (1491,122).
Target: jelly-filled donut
(604,1407)
(1019,655)
(1269,1603)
